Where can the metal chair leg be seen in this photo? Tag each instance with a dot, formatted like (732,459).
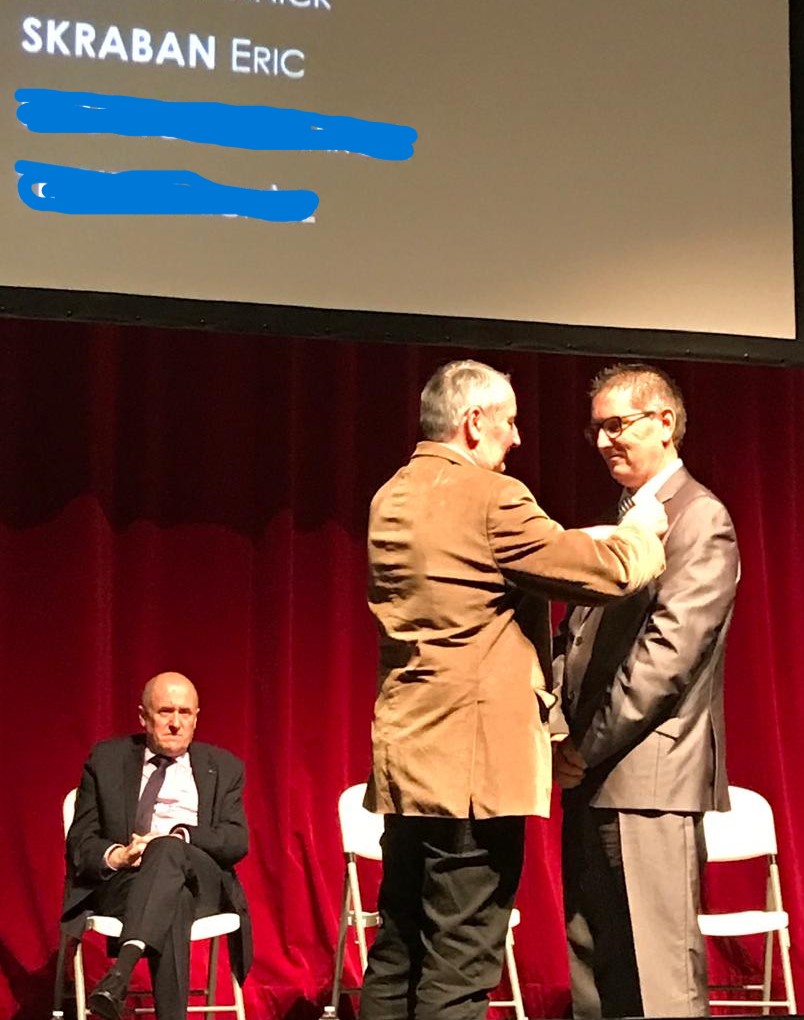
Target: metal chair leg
(513,977)
(789,989)
(357,910)
(340,951)
(58,985)
(212,975)
(240,1009)
(80,987)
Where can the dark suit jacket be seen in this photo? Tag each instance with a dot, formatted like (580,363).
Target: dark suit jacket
(104,815)
(641,681)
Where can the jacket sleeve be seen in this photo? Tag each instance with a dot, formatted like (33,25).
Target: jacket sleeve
(226,838)
(559,727)
(86,843)
(692,605)
(535,552)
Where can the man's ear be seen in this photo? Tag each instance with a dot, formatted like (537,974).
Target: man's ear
(473,430)
(668,419)
(141,711)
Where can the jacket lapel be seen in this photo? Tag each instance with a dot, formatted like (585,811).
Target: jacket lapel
(206,780)
(619,625)
(132,779)
(674,484)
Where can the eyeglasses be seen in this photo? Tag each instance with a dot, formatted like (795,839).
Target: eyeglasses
(614,426)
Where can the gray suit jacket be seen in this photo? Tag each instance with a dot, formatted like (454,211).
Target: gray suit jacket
(641,681)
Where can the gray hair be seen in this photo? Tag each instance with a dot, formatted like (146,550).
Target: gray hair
(452,390)
(649,385)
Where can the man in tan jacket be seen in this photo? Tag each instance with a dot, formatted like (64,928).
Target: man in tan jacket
(462,561)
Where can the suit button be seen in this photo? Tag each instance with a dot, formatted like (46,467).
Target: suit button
(579,640)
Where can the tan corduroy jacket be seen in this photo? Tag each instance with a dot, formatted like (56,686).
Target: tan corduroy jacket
(459,718)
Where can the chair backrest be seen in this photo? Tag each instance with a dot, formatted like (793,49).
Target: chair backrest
(747,830)
(360,829)
(68,810)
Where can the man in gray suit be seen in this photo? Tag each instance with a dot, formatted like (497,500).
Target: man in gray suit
(642,755)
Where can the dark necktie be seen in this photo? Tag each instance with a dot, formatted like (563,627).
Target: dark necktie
(147,802)
(625,504)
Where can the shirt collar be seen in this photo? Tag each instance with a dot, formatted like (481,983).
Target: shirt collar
(454,448)
(180,759)
(652,486)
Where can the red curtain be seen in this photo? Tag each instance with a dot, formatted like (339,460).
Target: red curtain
(173,500)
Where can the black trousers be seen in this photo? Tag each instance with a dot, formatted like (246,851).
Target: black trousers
(157,902)
(445,901)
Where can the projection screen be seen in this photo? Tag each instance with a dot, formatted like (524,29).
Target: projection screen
(614,164)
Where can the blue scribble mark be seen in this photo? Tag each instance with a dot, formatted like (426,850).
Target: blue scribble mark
(51,111)
(46,187)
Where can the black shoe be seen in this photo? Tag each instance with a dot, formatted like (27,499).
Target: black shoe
(108,998)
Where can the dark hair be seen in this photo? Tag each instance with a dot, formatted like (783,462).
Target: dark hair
(649,385)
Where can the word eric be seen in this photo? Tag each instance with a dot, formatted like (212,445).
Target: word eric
(83,40)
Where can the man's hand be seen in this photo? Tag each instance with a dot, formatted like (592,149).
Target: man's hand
(569,768)
(131,855)
(649,513)
(127,856)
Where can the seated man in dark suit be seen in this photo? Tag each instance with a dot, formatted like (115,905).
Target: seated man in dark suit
(159,825)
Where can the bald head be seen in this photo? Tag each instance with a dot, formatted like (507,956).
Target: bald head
(168,713)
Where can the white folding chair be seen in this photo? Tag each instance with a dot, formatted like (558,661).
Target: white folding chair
(212,927)
(515,1002)
(360,834)
(747,831)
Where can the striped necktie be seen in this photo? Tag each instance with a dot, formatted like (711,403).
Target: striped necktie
(625,504)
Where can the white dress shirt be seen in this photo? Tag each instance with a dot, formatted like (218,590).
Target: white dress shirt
(652,486)
(177,802)
(176,805)
(646,491)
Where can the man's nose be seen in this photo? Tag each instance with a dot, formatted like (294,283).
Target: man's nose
(603,441)
(517,439)
(175,721)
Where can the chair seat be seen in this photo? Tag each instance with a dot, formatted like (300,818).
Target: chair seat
(104,925)
(744,922)
(214,925)
(204,928)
